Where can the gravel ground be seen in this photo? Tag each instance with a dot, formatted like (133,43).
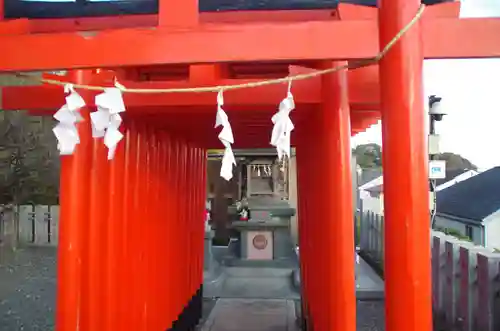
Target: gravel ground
(371,316)
(28,284)
(27,290)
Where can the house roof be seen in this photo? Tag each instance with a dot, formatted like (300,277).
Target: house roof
(450,174)
(369,175)
(376,189)
(474,199)
(221,5)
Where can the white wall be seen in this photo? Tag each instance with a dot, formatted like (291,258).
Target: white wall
(492,231)
(373,204)
(449,223)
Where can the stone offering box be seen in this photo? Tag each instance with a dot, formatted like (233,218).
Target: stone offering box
(266,235)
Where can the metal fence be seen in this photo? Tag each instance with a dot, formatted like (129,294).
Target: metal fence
(465,278)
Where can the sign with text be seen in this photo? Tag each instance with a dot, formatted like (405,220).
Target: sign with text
(437,169)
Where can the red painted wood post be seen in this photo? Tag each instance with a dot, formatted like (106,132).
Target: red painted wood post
(304,221)
(313,255)
(74,215)
(157,251)
(406,203)
(199,228)
(181,13)
(160,246)
(98,227)
(184,262)
(147,204)
(176,266)
(135,235)
(169,233)
(337,202)
(317,249)
(189,205)
(127,234)
(144,212)
(115,241)
(203,199)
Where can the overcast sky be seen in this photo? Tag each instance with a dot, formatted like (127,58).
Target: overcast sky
(471,93)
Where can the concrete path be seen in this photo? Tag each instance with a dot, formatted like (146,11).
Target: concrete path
(369,285)
(252,315)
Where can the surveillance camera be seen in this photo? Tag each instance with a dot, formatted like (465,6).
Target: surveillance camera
(435,108)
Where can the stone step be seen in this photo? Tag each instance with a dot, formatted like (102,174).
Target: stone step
(252,315)
(258,272)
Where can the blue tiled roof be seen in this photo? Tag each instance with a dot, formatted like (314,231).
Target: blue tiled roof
(224,5)
(474,199)
(86,8)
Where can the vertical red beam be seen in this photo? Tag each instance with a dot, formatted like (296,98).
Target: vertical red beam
(310,211)
(202,191)
(127,249)
(145,279)
(98,226)
(184,263)
(188,222)
(165,293)
(337,196)
(74,202)
(144,212)
(407,238)
(175,220)
(173,233)
(154,234)
(304,221)
(313,249)
(316,207)
(169,233)
(134,235)
(115,240)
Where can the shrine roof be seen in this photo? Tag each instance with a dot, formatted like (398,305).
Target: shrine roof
(73,8)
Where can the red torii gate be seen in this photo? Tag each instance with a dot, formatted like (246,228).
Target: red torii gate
(130,247)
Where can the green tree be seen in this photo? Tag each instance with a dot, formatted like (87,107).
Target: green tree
(455,161)
(27,168)
(368,156)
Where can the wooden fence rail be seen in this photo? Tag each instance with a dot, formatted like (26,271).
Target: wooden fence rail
(465,278)
(38,225)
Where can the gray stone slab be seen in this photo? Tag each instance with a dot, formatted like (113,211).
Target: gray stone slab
(369,285)
(244,282)
(252,315)
(370,315)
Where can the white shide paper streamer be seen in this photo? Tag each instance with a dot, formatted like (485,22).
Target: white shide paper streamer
(68,115)
(106,120)
(283,125)
(226,137)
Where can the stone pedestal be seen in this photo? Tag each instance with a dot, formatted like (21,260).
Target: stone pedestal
(269,240)
(209,261)
(266,235)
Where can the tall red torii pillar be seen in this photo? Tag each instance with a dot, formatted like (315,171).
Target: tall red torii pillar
(150,155)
